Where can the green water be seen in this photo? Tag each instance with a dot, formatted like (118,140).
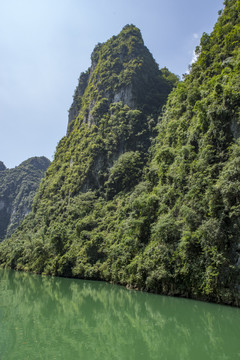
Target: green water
(55,318)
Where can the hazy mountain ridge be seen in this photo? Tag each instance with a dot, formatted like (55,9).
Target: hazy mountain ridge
(162,215)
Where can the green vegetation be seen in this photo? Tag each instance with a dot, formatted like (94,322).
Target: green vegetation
(122,69)
(17,189)
(159,214)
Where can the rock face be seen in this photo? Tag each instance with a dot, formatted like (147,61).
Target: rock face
(112,120)
(76,105)
(122,88)
(2,166)
(123,70)
(17,189)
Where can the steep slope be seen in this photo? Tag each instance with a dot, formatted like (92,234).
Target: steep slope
(122,70)
(111,123)
(169,225)
(2,166)
(17,189)
(196,235)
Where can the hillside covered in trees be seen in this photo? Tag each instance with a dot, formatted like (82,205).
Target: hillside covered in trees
(140,194)
(17,189)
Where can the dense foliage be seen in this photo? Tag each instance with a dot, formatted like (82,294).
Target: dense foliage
(169,224)
(122,69)
(17,189)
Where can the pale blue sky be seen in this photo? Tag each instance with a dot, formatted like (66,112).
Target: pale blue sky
(46,44)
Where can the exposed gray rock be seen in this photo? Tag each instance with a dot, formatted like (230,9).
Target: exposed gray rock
(2,205)
(17,189)
(79,91)
(235,128)
(126,96)
(2,166)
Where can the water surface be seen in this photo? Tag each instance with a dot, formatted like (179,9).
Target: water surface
(56,318)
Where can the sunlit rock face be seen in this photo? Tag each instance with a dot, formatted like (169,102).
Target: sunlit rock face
(122,70)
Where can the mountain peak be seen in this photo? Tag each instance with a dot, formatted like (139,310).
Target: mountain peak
(37,162)
(122,70)
(131,30)
(2,166)
(17,189)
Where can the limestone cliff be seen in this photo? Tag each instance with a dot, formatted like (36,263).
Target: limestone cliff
(2,166)
(112,121)
(17,189)
(122,69)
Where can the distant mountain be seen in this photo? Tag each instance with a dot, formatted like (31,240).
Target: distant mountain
(151,208)
(17,189)
(2,166)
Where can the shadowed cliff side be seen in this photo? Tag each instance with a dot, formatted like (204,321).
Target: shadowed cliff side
(17,189)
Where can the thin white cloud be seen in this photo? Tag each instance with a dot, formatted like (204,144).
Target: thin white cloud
(193,60)
(194,57)
(195,36)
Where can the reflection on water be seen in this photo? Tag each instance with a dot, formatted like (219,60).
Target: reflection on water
(57,318)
